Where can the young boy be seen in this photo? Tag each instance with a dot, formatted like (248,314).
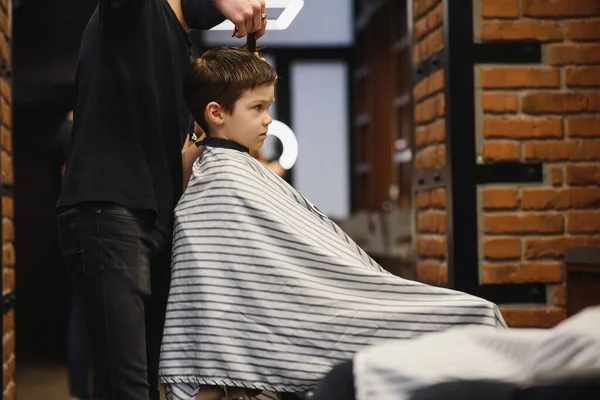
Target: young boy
(267,293)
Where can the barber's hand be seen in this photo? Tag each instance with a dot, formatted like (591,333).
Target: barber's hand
(256,54)
(187,144)
(245,15)
(189,155)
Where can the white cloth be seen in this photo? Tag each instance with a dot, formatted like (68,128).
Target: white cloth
(394,370)
(268,293)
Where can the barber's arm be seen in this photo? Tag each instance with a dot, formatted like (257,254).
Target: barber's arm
(201,14)
(198,14)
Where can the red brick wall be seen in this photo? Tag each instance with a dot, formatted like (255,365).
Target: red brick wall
(430,150)
(550,113)
(8,237)
(431,238)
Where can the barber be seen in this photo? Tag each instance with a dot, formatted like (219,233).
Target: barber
(124,176)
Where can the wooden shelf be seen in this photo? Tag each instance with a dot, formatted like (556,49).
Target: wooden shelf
(382,115)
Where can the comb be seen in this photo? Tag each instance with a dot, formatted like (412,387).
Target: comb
(251,42)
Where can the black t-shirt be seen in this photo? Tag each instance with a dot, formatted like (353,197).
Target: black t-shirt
(130,118)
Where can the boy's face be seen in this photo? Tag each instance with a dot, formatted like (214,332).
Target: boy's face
(249,122)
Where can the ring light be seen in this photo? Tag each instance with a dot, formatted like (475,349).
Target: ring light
(290,144)
(291,10)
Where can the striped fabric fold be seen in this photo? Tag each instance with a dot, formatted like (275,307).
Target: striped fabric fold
(524,357)
(268,293)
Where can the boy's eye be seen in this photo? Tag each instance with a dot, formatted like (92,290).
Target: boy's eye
(258,107)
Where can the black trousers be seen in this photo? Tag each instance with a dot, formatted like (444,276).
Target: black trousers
(120,264)
(338,384)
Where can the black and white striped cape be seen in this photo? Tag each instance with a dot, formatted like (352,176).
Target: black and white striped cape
(268,293)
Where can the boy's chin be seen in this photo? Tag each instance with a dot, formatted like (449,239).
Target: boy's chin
(256,146)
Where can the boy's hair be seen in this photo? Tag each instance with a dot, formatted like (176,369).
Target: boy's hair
(222,75)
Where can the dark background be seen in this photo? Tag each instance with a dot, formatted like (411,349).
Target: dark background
(46,37)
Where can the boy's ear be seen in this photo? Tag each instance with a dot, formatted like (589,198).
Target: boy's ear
(214,113)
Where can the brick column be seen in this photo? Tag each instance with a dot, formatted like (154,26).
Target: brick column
(429,141)
(549,113)
(7,182)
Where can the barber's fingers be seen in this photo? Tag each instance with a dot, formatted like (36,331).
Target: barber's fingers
(187,144)
(262,30)
(256,23)
(257,34)
(263,23)
(247,17)
(256,54)
(240,32)
(252,17)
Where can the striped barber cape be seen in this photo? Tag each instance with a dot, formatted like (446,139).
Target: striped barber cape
(525,358)
(268,293)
